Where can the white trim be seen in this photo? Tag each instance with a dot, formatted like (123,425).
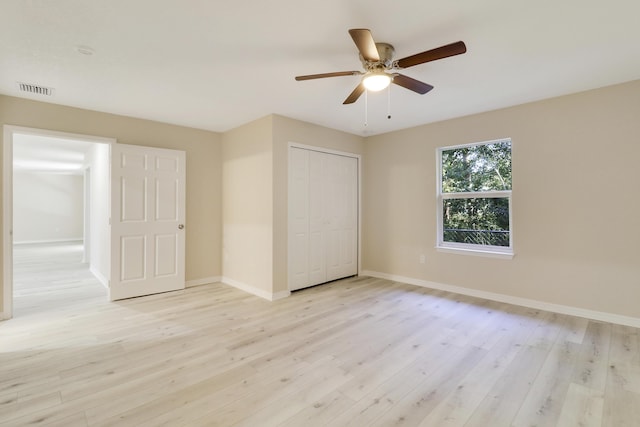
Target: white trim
(524,302)
(31,242)
(56,134)
(7,222)
(86,214)
(475,252)
(103,280)
(358,158)
(269,296)
(323,150)
(473,144)
(494,194)
(203,281)
(8,131)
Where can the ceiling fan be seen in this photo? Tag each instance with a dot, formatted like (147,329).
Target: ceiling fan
(380,69)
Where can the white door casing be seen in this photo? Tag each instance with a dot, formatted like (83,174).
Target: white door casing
(323,217)
(147,221)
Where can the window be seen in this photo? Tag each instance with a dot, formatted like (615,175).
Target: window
(474,197)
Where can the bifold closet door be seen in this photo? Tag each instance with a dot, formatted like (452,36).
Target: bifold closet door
(323,215)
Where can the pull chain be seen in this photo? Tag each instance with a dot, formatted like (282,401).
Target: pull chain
(389,102)
(366,107)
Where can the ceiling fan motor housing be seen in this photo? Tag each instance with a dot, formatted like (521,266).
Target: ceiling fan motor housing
(385,52)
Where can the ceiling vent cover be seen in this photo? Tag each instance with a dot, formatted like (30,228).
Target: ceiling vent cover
(35,89)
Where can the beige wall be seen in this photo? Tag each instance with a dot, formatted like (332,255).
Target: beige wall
(203,226)
(575,204)
(247,205)
(574,186)
(286,130)
(255,182)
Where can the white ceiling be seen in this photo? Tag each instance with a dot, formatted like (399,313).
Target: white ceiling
(219,64)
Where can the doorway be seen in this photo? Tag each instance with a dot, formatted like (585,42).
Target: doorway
(137,215)
(47,221)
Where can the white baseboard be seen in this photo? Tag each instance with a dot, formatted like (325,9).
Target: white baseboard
(32,242)
(103,280)
(524,302)
(270,296)
(203,281)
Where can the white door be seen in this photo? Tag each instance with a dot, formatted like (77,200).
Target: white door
(298,218)
(323,217)
(341,203)
(147,221)
(316,249)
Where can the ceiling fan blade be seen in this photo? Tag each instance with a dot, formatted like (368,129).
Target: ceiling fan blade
(323,75)
(446,51)
(364,41)
(353,97)
(411,84)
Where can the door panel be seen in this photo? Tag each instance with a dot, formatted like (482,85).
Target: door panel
(349,221)
(299,218)
(167,194)
(316,249)
(167,163)
(166,250)
(148,207)
(341,198)
(133,260)
(134,196)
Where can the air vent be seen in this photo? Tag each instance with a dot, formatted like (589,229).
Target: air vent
(35,89)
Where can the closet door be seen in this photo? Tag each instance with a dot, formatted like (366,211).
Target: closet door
(341,217)
(323,217)
(298,218)
(317,222)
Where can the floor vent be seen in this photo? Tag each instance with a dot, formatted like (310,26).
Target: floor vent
(35,89)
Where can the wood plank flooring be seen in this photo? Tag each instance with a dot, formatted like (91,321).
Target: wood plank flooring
(51,277)
(357,352)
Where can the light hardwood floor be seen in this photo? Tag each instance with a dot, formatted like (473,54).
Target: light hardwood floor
(357,352)
(51,277)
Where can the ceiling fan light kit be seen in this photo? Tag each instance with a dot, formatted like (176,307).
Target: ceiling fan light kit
(375,81)
(380,69)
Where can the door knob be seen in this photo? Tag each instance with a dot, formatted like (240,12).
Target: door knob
(180,226)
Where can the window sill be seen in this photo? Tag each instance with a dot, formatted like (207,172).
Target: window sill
(475,252)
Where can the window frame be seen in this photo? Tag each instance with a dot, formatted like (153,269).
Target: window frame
(470,248)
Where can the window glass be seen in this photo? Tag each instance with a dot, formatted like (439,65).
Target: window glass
(484,167)
(478,221)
